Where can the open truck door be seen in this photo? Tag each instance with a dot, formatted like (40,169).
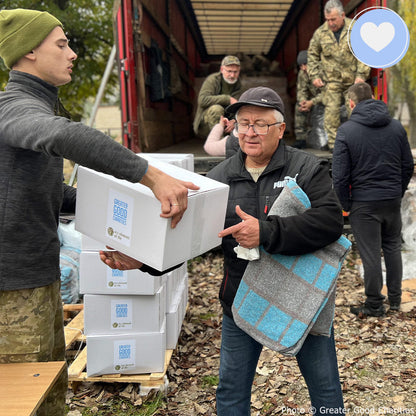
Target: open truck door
(124,21)
(159,39)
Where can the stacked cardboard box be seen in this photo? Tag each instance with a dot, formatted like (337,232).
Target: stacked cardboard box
(131,317)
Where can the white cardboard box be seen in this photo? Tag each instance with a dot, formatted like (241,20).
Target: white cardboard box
(180,294)
(183,160)
(173,280)
(89,244)
(97,278)
(133,353)
(113,314)
(176,315)
(126,216)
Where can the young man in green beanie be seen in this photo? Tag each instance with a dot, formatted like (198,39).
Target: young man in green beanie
(34,139)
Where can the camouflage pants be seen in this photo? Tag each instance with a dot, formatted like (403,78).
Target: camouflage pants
(302,123)
(210,118)
(334,96)
(32,329)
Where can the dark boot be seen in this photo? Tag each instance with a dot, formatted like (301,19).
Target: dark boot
(395,305)
(366,310)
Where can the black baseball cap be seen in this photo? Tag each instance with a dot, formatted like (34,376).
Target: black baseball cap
(260,97)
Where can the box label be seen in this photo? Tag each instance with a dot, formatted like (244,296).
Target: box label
(124,354)
(121,314)
(119,217)
(116,279)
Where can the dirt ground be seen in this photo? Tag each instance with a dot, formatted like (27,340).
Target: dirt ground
(376,358)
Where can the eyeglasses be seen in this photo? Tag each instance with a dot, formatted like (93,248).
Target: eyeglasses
(258,128)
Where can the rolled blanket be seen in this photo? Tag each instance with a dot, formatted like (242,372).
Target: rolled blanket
(281,299)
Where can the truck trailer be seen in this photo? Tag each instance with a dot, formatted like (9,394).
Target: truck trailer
(166,48)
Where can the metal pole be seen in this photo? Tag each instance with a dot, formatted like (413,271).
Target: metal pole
(97,102)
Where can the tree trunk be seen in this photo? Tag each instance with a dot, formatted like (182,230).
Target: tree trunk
(410,100)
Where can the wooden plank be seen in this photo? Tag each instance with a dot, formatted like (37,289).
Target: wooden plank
(70,308)
(259,3)
(157,135)
(158,376)
(137,378)
(252,34)
(76,373)
(232,18)
(182,131)
(74,330)
(78,365)
(150,114)
(24,386)
(247,15)
(146,39)
(147,4)
(239,7)
(73,307)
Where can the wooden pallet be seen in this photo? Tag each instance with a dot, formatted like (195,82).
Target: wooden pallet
(76,371)
(74,330)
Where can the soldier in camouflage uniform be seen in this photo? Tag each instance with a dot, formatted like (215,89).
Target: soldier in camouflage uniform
(218,91)
(34,139)
(329,54)
(307,96)
(23,316)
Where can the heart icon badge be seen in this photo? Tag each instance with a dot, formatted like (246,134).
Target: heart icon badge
(377,37)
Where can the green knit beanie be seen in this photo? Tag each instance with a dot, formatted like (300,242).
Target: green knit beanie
(21,31)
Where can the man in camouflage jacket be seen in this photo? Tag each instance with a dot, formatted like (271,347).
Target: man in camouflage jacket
(329,56)
(307,96)
(218,91)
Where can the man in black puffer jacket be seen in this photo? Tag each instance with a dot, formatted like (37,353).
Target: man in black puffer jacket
(372,166)
(256,175)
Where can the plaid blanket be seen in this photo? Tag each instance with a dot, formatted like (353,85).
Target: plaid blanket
(281,299)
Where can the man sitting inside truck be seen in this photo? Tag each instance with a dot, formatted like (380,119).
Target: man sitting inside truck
(218,91)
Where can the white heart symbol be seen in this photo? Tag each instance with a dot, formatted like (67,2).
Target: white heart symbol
(377,37)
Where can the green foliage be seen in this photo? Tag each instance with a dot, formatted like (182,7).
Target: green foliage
(210,381)
(207,316)
(89,27)
(406,9)
(402,77)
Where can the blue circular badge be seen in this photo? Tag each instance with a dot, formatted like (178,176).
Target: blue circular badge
(379,37)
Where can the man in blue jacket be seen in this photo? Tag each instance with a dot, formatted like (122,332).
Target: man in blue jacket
(372,166)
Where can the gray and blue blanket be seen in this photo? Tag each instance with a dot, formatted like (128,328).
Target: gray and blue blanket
(281,299)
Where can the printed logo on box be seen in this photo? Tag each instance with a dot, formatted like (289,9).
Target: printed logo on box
(121,314)
(121,310)
(120,211)
(124,354)
(119,216)
(116,279)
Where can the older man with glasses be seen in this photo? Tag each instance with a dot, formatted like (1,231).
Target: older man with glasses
(217,92)
(256,174)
